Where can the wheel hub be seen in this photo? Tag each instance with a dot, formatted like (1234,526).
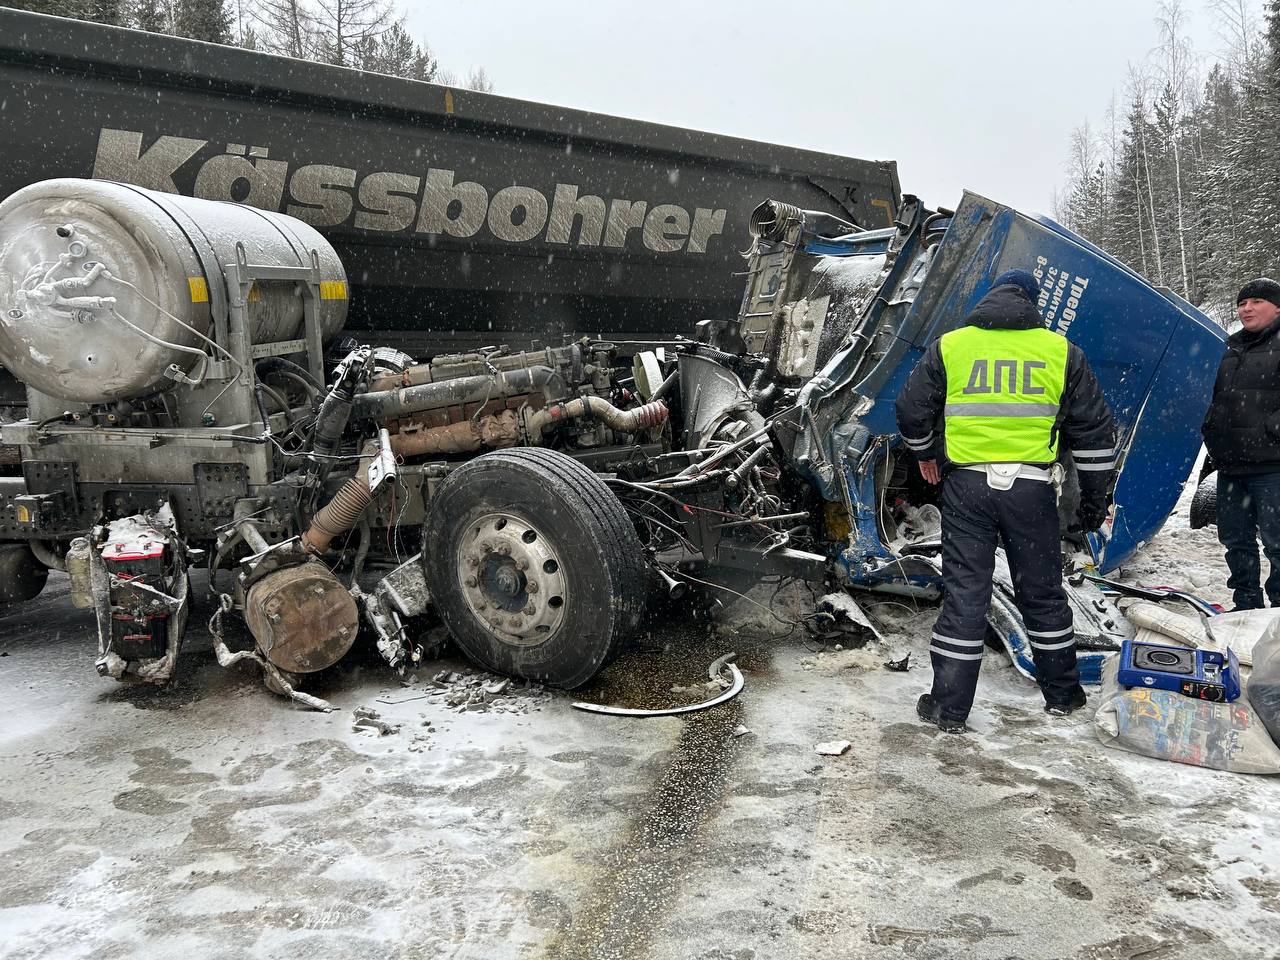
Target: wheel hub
(513,579)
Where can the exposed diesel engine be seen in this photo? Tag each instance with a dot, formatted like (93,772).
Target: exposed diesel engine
(190,405)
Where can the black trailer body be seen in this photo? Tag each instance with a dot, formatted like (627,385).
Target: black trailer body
(462,217)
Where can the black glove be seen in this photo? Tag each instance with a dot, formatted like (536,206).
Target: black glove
(1090,516)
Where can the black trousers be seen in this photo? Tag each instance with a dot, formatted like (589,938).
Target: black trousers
(975,519)
(1249,507)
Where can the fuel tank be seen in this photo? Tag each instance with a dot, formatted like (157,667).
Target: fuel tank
(106,288)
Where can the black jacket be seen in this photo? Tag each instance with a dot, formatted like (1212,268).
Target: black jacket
(1084,421)
(1242,427)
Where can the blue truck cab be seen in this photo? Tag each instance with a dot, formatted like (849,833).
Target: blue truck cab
(883,296)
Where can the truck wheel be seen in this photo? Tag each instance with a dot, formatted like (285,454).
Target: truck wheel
(1204,505)
(22,576)
(533,565)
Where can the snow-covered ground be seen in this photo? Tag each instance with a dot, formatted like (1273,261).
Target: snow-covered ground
(213,820)
(1183,558)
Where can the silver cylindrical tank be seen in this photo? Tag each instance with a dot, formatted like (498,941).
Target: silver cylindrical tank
(85,262)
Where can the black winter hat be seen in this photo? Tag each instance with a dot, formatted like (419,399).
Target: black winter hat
(1263,288)
(1024,281)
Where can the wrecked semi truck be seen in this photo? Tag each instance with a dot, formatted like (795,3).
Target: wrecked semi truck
(463,219)
(187,407)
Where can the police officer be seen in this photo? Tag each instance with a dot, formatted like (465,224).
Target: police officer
(992,401)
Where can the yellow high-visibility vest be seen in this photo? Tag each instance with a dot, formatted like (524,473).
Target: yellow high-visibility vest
(1004,388)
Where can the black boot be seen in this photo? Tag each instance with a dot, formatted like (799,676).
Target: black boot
(929,711)
(1068,706)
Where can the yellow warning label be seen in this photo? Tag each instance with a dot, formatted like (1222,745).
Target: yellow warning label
(199,289)
(333,290)
(255,292)
(448,102)
(24,515)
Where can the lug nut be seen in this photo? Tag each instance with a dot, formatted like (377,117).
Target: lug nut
(530,610)
(473,561)
(531,586)
(470,581)
(516,622)
(504,549)
(522,563)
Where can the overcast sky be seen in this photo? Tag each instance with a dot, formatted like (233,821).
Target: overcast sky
(976,94)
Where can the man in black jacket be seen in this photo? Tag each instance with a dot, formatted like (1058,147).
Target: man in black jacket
(1242,434)
(991,401)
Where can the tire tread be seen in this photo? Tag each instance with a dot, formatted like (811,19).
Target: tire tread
(584,493)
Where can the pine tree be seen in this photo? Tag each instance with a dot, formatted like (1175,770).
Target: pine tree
(208,20)
(102,11)
(396,53)
(1131,223)
(151,15)
(1217,228)
(1189,192)
(105,11)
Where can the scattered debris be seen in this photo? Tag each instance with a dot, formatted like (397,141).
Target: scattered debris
(832,748)
(735,687)
(899,666)
(741,731)
(366,719)
(837,615)
(467,692)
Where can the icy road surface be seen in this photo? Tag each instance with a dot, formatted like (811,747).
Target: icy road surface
(213,820)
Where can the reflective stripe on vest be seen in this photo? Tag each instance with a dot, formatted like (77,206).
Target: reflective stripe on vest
(1004,388)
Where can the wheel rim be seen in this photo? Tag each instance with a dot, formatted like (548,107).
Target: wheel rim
(513,579)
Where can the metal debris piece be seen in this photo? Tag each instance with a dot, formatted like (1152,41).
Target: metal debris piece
(899,666)
(717,667)
(1154,594)
(404,696)
(832,748)
(741,731)
(838,615)
(735,688)
(226,659)
(399,596)
(366,719)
